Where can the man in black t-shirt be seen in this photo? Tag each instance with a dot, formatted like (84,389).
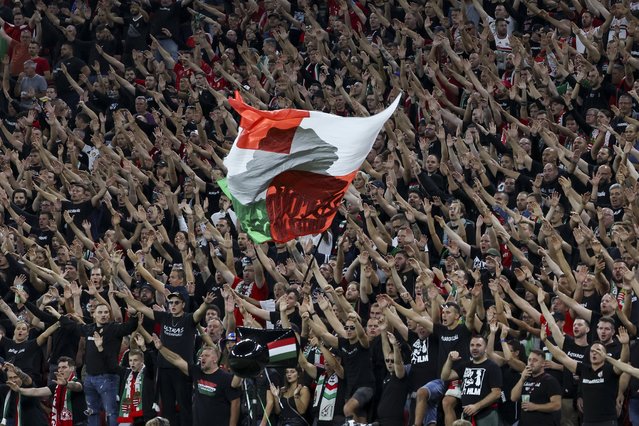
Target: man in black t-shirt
(215,399)
(178,335)
(599,381)
(481,382)
(353,348)
(68,397)
(540,393)
(74,67)
(390,409)
(424,365)
(452,336)
(81,204)
(576,347)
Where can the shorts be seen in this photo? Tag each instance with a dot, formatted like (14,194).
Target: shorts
(363,396)
(436,389)
(454,389)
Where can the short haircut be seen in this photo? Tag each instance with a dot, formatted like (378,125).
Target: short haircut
(538,352)
(609,321)
(453,305)
(136,352)
(68,360)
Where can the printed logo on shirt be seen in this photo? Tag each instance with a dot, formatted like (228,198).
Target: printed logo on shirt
(473,379)
(453,338)
(173,331)
(420,352)
(206,388)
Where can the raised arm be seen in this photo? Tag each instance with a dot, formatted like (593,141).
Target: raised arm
(171,356)
(42,338)
(559,355)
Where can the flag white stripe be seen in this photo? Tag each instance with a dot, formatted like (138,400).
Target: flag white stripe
(281,350)
(346,143)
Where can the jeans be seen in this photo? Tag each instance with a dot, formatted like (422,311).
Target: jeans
(436,390)
(170,46)
(101,393)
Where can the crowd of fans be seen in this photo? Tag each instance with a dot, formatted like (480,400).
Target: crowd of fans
(482,267)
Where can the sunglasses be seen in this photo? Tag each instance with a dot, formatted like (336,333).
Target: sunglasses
(389,360)
(175,302)
(349,327)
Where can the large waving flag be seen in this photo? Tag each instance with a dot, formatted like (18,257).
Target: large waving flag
(288,170)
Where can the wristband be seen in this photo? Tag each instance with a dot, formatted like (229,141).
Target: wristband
(502,340)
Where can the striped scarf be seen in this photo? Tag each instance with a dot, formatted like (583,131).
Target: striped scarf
(61,408)
(326,396)
(131,399)
(12,409)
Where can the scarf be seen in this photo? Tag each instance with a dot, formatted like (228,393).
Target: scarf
(61,408)
(131,399)
(326,396)
(12,409)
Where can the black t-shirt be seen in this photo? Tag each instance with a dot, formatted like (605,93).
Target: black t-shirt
(457,339)
(390,410)
(74,68)
(177,334)
(599,392)
(540,389)
(423,360)
(592,302)
(477,382)
(508,410)
(26,355)
(408,280)
(78,402)
(79,211)
(294,318)
(29,412)
(357,364)
(136,33)
(579,354)
(212,396)
(634,361)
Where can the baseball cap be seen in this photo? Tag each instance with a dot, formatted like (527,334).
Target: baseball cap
(493,252)
(146,286)
(174,295)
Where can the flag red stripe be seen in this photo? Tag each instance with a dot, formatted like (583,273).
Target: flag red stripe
(303,203)
(267,135)
(281,342)
(271,131)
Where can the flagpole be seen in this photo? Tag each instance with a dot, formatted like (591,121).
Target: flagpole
(310,264)
(248,399)
(271,383)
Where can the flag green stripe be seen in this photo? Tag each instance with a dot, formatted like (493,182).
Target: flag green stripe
(283,356)
(254,218)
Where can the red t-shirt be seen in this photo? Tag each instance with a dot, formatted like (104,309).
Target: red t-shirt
(42,65)
(248,290)
(181,72)
(14,31)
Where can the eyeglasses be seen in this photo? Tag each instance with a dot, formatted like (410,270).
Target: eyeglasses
(175,302)
(349,327)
